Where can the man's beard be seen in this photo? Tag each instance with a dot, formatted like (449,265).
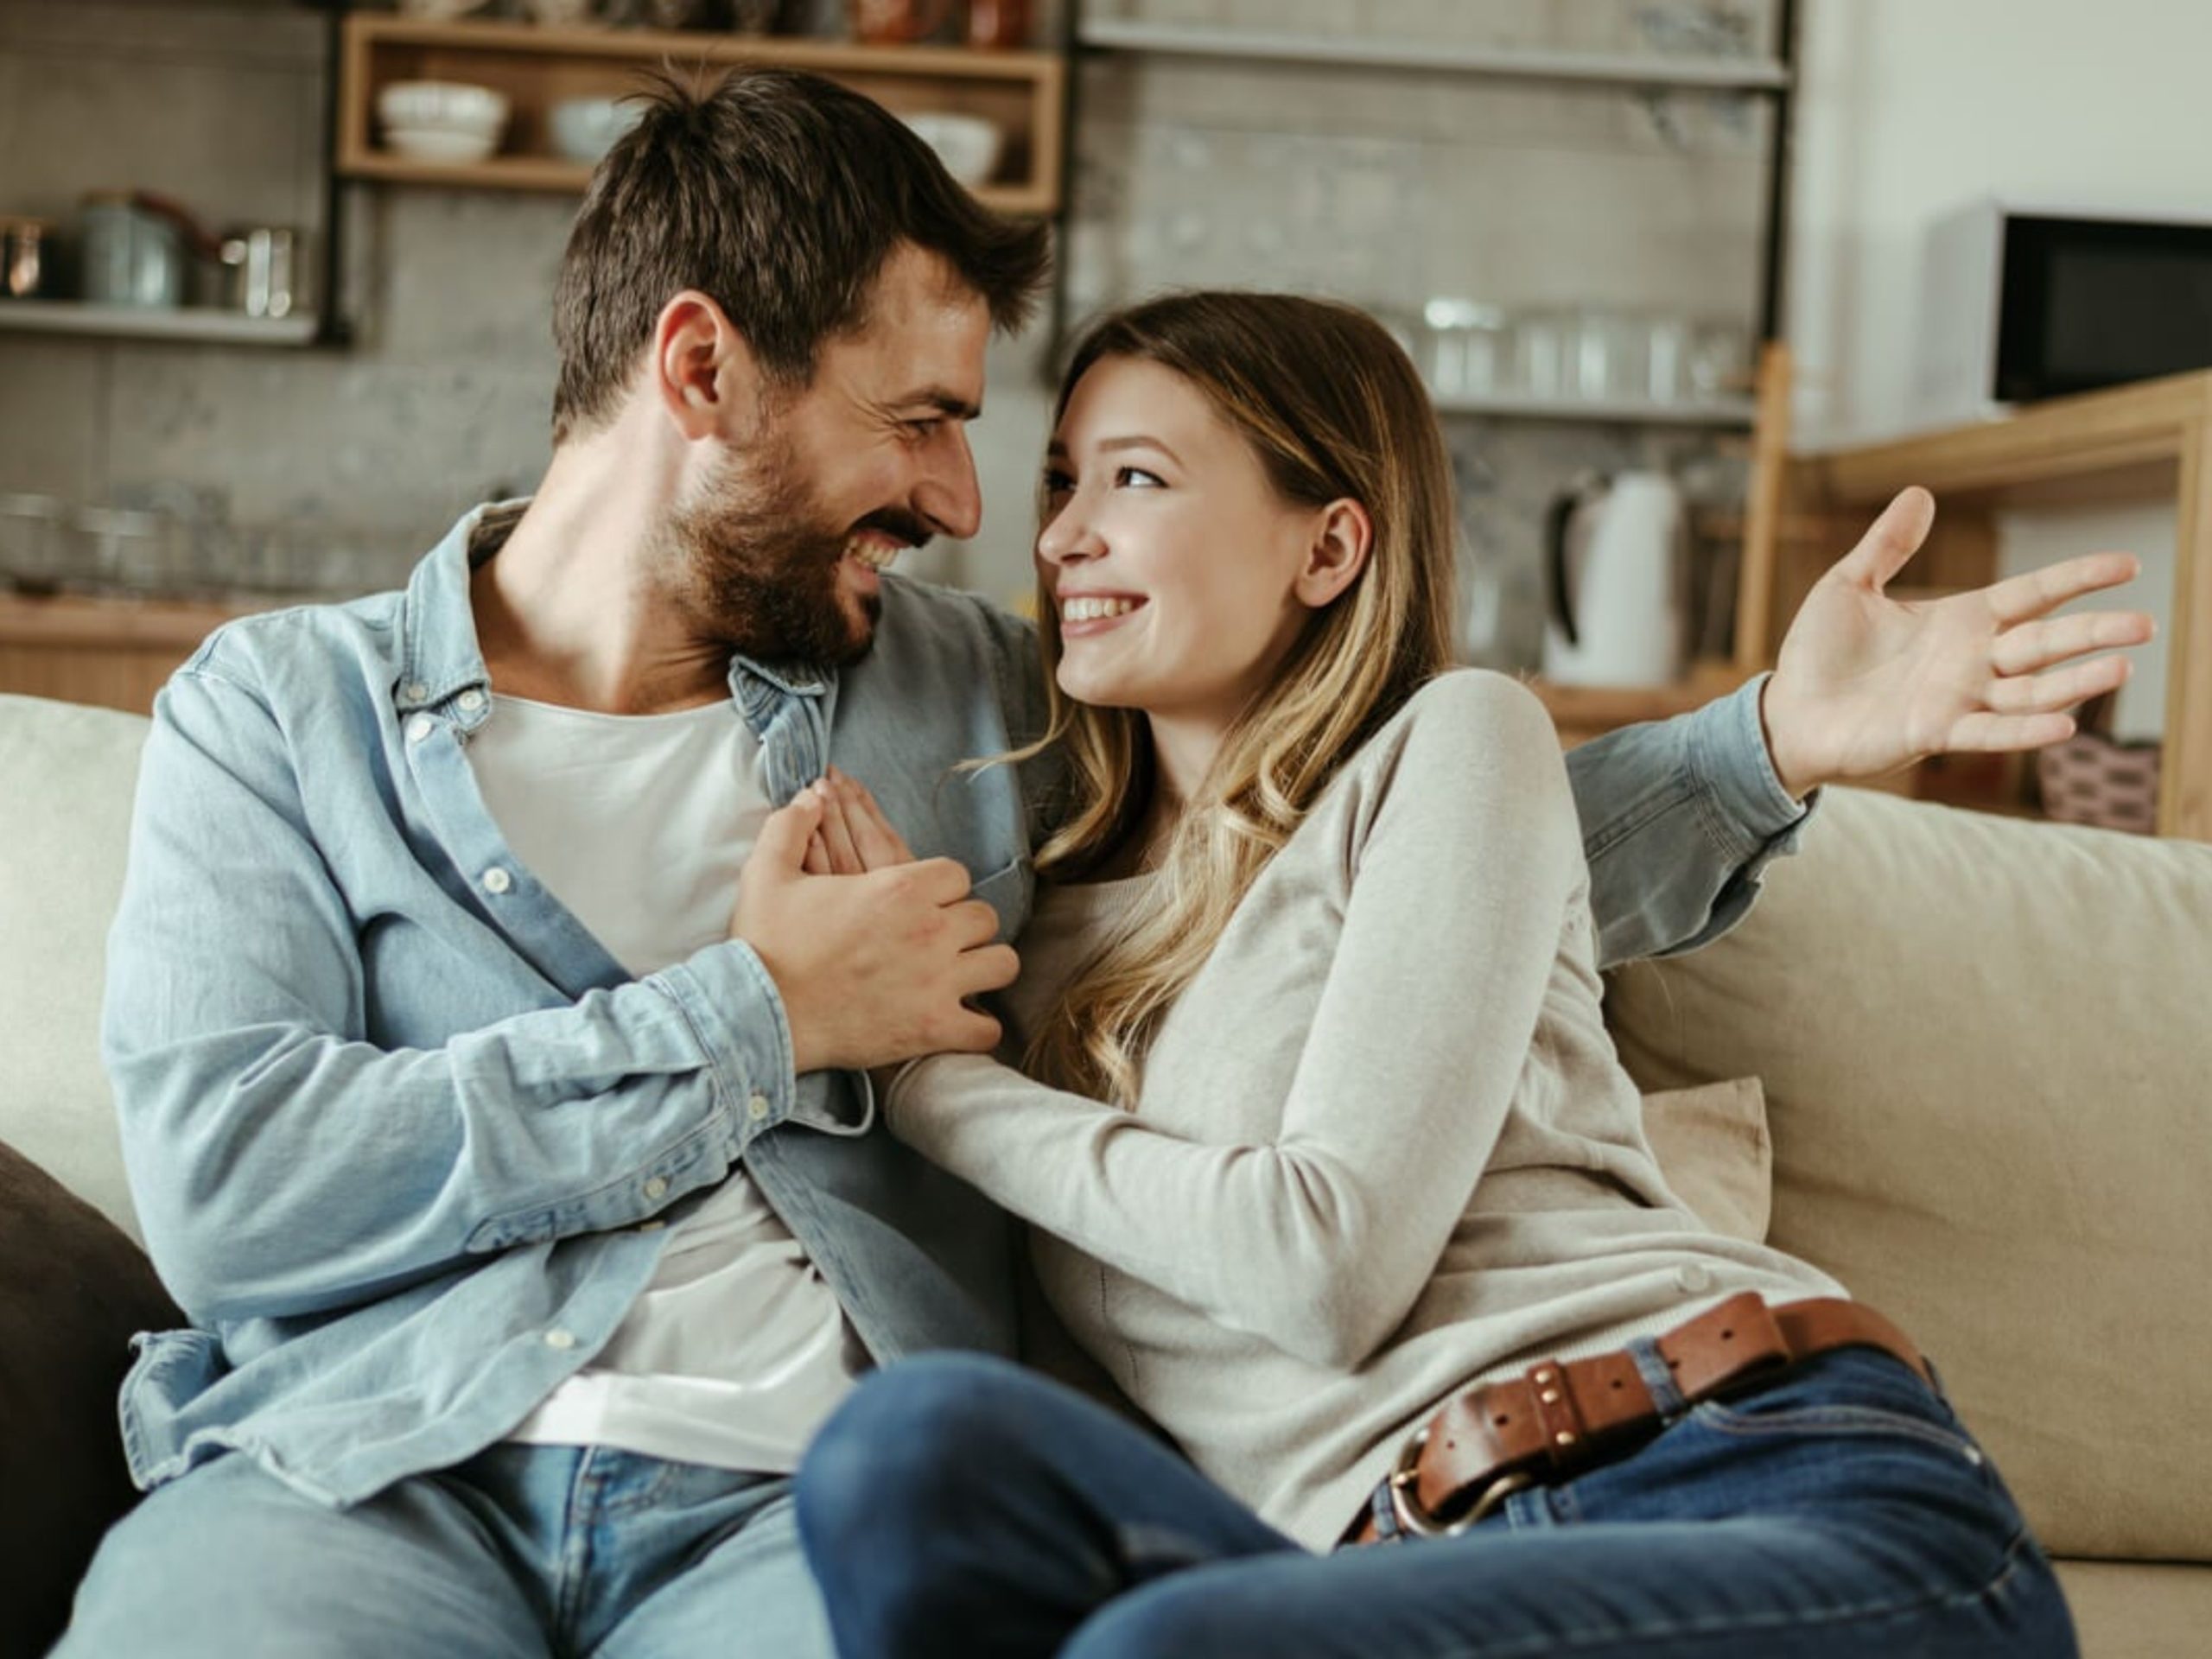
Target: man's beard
(755,564)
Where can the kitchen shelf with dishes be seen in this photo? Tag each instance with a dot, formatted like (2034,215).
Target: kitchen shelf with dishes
(198,324)
(547,110)
(1639,70)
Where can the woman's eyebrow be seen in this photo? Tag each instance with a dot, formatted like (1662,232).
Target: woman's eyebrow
(1057,450)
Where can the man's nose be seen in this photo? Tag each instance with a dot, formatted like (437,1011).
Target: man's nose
(947,495)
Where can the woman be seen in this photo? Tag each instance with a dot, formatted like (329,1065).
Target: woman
(1325,1130)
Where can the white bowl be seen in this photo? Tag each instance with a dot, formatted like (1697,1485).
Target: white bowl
(440,144)
(452,106)
(585,129)
(966,145)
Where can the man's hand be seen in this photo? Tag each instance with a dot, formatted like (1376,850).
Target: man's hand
(1866,684)
(872,968)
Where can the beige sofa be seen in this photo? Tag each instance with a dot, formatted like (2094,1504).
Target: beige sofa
(1988,1064)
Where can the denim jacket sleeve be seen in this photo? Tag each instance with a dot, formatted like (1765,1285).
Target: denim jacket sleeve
(1679,819)
(282,1163)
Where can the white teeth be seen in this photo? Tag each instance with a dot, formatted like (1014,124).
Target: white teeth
(870,552)
(1090,610)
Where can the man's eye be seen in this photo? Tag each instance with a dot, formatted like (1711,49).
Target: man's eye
(923,427)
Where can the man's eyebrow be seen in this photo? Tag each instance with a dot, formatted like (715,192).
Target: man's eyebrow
(945,403)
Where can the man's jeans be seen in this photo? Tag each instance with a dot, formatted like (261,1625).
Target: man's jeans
(524,1550)
(957,1506)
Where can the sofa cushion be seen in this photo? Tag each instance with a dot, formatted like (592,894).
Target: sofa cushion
(65,820)
(73,1292)
(1986,1056)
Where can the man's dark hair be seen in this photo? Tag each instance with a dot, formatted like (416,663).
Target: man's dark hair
(780,195)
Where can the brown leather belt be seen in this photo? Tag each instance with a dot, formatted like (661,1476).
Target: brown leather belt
(1562,1417)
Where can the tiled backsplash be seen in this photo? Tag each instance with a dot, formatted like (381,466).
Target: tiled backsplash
(1383,187)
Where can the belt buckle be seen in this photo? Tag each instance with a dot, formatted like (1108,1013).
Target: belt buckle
(1414,1518)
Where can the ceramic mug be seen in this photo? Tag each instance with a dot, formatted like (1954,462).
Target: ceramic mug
(896,22)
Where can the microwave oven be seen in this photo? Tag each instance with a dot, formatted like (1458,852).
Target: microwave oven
(2022,301)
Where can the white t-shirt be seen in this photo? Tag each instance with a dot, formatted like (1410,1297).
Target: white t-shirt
(736,1349)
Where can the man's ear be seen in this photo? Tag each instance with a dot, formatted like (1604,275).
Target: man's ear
(702,370)
(1343,537)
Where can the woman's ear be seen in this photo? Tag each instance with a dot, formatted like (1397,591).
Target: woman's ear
(702,370)
(1343,537)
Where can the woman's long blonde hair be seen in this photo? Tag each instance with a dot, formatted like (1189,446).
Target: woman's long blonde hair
(1333,410)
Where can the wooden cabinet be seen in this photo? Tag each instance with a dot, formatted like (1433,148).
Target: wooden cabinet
(114,653)
(538,67)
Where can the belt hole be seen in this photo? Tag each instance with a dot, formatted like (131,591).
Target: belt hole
(1727,1335)
(1502,1419)
(1617,1382)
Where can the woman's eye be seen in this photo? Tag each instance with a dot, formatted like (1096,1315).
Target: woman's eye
(1057,483)
(1137,478)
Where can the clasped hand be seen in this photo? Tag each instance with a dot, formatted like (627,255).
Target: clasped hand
(874,951)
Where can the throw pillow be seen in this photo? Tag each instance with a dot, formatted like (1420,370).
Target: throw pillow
(73,1292)
(1711,1146)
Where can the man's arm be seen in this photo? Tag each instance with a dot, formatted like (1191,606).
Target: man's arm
(282,1163)
(1679,818)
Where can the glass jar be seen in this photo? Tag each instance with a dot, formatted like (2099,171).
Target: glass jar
(130,256)
(1467,348)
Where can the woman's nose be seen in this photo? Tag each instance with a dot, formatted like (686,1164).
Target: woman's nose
(1067,535)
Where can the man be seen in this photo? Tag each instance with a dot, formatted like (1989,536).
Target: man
(509,1150)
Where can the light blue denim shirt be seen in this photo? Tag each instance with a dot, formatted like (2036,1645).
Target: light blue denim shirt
(394,1120)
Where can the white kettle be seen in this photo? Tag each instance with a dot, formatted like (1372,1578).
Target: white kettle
(1617,558)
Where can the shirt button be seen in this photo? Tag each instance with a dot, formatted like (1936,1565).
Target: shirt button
(1696,1278)
(496,880)
(472,700)
(758,1107)
(420,728)
(655,1187)
(557,1338)
(415,691)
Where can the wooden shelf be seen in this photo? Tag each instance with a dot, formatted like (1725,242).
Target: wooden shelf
(538,67)
(1434,57)
(1725,412)
(2148,441)
(198,323)
(1582,712)
(112,651)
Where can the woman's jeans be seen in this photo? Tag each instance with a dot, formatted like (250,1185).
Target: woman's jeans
(960,1506)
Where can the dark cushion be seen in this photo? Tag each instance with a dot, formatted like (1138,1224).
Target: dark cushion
(72,1291)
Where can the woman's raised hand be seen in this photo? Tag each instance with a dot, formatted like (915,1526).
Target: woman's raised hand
(854,836)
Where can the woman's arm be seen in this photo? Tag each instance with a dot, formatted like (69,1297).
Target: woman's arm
(1461,852)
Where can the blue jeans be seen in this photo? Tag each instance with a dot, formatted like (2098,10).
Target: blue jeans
(958,1506)
(524,1550)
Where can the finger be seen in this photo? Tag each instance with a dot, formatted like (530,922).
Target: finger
(837,834)
(2018,599)
(2061,689)
(993,967)
(2033,645)
(879,844)
(782,841)
(817,855)
(972,1033)
(1890,540)
(2003,733)
(939,880)
(974,922)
